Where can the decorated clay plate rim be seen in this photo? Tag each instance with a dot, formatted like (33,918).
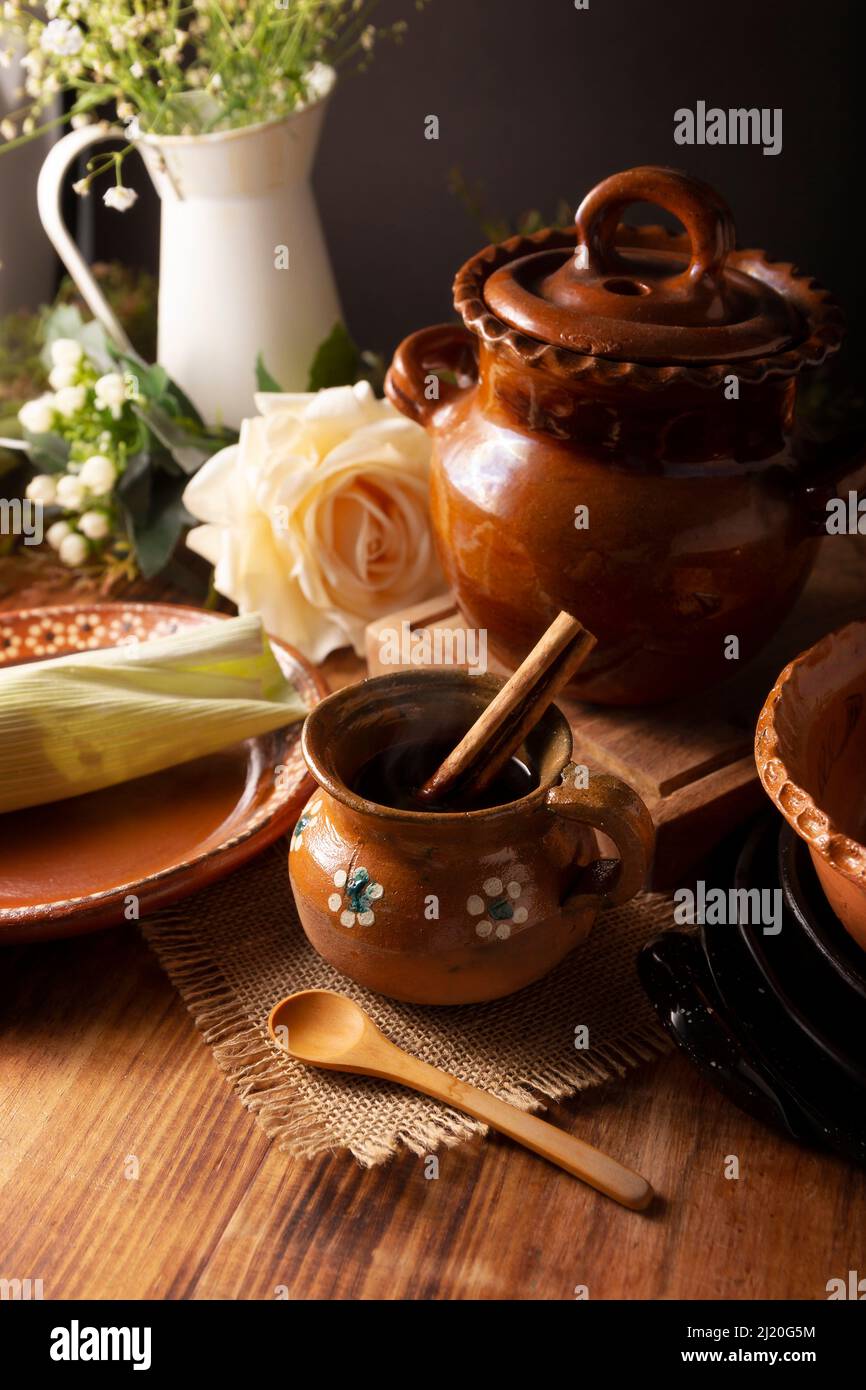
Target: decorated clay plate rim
(823,316)
(274,818)
(812,824)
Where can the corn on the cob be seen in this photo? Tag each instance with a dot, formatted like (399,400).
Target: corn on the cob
(81,722)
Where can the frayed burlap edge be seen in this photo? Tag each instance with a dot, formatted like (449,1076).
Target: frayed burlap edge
(270,1084)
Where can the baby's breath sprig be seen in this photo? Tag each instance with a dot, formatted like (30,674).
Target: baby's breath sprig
(179,67)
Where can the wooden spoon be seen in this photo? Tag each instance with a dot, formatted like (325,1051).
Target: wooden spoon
(328,1030)
(501,728)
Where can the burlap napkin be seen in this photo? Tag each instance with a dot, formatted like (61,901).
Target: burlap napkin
(237,948)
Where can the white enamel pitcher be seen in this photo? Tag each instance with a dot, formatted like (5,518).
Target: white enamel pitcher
(243,264)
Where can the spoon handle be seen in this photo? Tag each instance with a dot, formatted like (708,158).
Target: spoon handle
(576,1157)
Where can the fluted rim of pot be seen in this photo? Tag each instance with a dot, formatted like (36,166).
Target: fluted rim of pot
(330,781)
(215,137)
(814,825)
(821,314)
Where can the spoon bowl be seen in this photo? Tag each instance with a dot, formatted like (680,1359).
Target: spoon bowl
(320,1027)
(328,1030)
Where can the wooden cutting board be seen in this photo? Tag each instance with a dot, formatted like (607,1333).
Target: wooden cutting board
(691,760)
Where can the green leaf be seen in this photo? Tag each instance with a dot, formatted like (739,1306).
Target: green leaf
(48,451)
(157,386)
(155,536)
(264,380)
(65,321)
(153,382)
(189,447)
(133,487)
(87,100)
(337,361)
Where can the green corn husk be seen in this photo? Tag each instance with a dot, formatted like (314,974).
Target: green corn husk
(77,723)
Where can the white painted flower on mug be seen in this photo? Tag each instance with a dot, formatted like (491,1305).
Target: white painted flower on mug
(307,818)
(318,518)
(354,901)
(498,909)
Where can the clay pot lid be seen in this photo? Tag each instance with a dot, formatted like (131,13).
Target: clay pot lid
(662,303)
(642,305)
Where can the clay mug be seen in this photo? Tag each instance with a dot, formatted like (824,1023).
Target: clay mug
(453,907)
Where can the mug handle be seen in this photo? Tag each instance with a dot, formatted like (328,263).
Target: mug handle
(445,347)
(48,194)
(610,806)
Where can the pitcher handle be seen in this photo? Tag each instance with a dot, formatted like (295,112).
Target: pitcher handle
(48,194)
(608,805)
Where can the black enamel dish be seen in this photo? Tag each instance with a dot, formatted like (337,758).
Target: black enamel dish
(833,1103)
(674,972)
(811,993)
(747,1011)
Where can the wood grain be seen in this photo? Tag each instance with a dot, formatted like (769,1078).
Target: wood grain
(99,1061)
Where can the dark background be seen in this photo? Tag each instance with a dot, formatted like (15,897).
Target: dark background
(537,101)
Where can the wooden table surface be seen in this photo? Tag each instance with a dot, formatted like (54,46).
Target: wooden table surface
(103,1076)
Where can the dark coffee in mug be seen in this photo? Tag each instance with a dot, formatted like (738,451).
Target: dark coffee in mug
(394,776)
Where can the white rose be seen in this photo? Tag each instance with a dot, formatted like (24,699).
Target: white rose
(318,517)
(94,525)
(42,488)
(61,376)
(37,416)
(98,474)
(111,393)
(73,549)
(66,352)
(70,492)
(57,533)
(69,400)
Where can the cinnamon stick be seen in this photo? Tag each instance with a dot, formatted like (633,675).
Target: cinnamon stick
(502,727)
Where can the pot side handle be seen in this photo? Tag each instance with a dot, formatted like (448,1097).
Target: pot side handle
(447,347)
(608,805)
(48,195)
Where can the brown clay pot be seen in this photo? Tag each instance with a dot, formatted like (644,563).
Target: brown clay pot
(811,754)
(457,907)
(651,380)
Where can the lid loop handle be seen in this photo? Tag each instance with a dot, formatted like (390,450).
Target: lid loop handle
(704,214)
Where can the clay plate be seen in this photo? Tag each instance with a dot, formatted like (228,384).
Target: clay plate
(70,867)
(810,750)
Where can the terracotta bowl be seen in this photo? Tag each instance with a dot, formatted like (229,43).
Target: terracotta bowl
(810,749)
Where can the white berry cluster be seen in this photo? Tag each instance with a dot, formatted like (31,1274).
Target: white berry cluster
(88,411)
